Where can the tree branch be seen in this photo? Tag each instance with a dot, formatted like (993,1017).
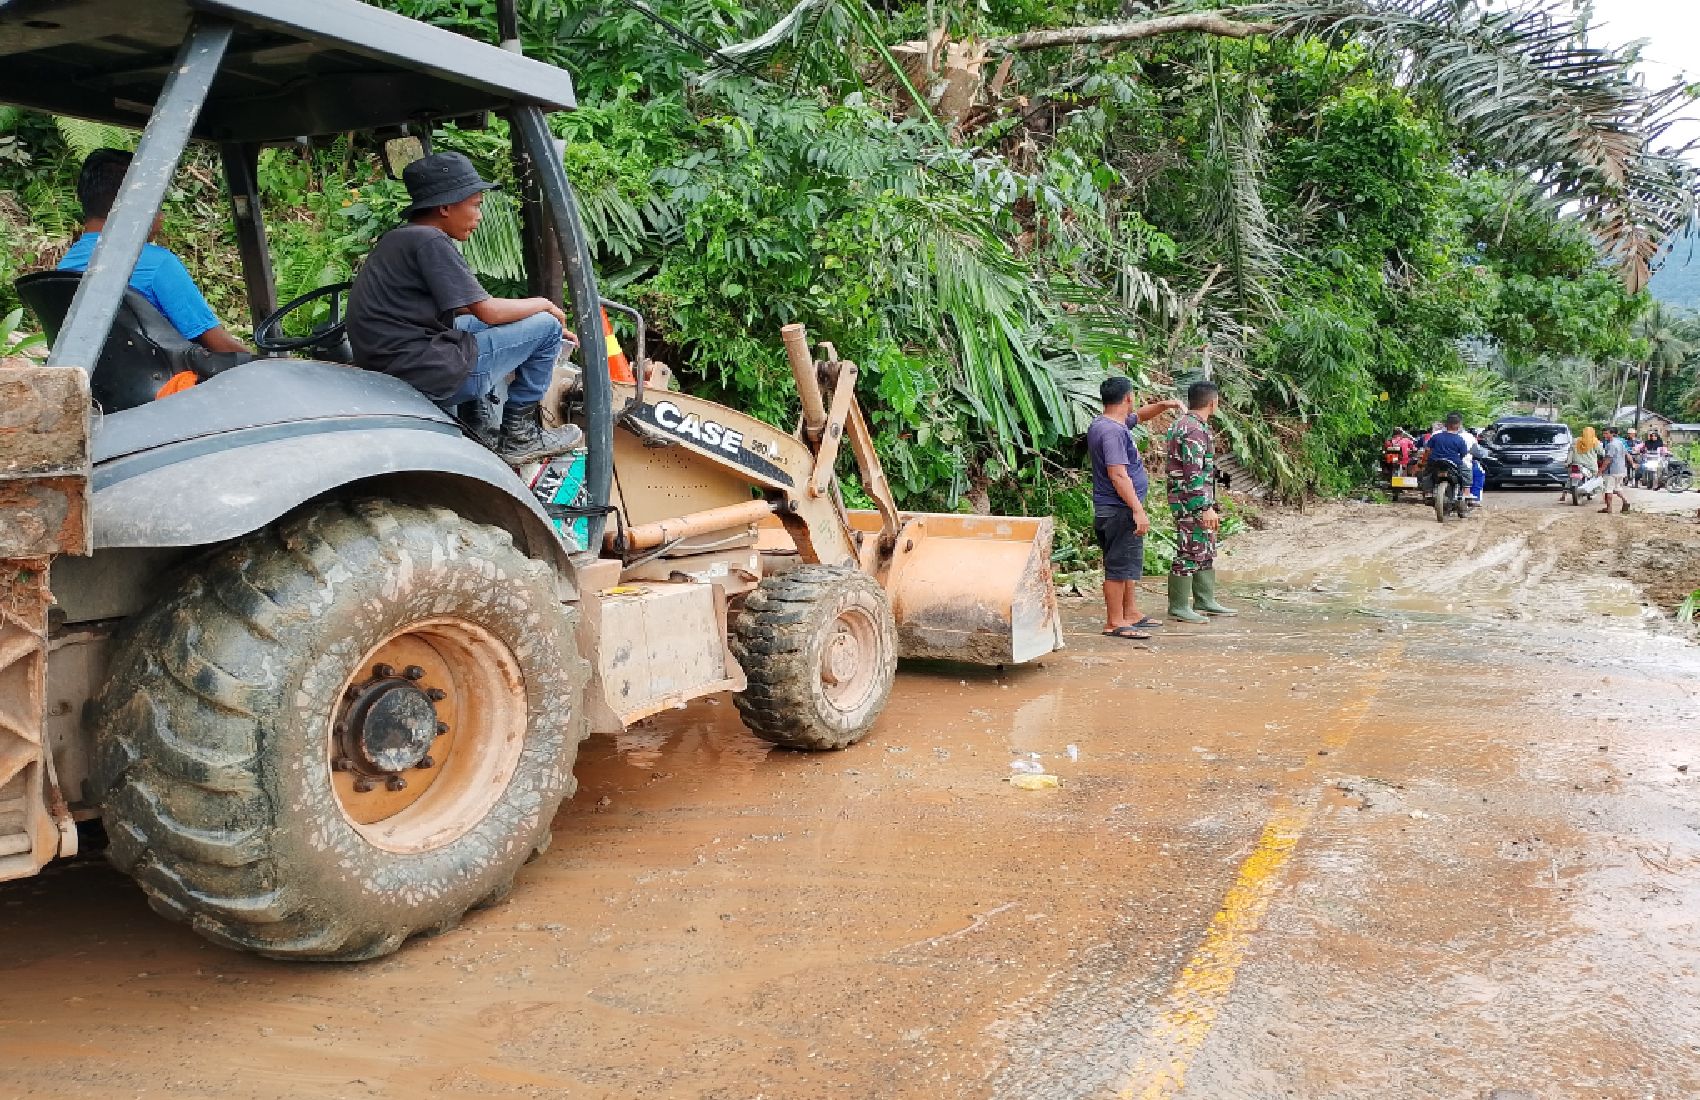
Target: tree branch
(1200,22)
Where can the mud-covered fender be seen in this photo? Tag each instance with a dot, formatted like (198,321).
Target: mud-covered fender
(222,487)
(238,451)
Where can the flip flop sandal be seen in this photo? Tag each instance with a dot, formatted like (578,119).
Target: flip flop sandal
(1128,633)
(1145,624)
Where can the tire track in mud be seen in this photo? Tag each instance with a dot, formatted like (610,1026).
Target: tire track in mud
(1505,557)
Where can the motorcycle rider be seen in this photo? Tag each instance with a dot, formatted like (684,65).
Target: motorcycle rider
(1452,444)
(1404,445)
(1586,452)
(1652,450)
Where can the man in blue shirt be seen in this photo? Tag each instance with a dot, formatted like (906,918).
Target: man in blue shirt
(1451,444)
(159,276)
(1119,484)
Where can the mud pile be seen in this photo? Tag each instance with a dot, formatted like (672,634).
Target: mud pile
(1525,556)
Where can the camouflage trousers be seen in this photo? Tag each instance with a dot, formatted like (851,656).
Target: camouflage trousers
(1195,547)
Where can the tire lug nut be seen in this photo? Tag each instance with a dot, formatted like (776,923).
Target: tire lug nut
(413,672)
(363,784)
(396,783)
(436,695)
(342,764)
(442,728)
(426,762)
(382,671)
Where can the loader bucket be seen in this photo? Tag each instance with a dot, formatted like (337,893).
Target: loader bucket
(971,588)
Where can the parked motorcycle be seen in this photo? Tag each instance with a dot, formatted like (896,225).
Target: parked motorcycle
(1679,475)
(1451,488)
(1580,486)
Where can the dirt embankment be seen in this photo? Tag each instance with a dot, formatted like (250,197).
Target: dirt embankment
(1524,555)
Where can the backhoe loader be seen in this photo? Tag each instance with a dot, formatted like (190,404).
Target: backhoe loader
(319,661)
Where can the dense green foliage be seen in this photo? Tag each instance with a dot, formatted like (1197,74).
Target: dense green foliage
(1293,215)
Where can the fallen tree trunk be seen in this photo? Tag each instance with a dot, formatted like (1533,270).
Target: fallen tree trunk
(1105,34)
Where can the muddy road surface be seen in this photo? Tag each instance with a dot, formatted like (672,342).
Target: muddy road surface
(1424,821)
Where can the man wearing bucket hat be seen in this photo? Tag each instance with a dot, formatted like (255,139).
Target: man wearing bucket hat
(417,311)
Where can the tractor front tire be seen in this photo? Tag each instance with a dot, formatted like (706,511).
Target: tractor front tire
(819,646)
(344,730)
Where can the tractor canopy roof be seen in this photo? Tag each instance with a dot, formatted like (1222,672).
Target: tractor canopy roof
(294,68)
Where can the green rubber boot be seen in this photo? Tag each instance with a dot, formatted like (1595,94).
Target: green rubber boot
(1204,594)
(1180,601)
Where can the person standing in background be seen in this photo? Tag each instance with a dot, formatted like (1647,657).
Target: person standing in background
(1615,468)
(1478,472)
(1119,520)
(1191,484)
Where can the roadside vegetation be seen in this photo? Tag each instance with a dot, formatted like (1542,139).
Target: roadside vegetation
(1354,214)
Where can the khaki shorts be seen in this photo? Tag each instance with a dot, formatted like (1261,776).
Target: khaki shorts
(1613,483)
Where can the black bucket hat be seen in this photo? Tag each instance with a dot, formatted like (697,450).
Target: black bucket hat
(441,179)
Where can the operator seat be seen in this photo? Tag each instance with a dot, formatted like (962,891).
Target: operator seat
(143,350)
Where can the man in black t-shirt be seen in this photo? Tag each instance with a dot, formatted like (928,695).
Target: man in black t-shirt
(418,312)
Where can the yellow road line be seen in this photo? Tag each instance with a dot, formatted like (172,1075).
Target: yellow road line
(1200,992)
(1203,986)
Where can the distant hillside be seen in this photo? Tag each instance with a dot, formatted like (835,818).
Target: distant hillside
(1677,282)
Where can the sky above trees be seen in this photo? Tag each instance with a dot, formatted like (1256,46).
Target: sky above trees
(1671,29)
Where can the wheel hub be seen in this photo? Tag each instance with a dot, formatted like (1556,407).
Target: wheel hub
(841,658)
(387,727)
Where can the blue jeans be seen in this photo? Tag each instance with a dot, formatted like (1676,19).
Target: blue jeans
(525,349)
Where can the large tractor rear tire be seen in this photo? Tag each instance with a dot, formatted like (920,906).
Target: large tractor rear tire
(341,731)
(819,646)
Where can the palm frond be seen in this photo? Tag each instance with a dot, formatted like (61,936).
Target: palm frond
(618,225)
(1265,446)
(495,250)
(979,291)
(1522,82)
(84,137)
(791,27)
(958,277)
(1237,131)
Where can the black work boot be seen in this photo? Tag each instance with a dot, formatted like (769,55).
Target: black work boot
(524,438)
(481,418)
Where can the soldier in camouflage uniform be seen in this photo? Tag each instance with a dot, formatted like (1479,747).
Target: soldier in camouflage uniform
(1192,501)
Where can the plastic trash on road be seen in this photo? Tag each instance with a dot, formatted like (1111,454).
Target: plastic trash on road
(1022,765)
(1034,782)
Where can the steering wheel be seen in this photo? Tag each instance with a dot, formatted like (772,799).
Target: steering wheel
(330,337)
